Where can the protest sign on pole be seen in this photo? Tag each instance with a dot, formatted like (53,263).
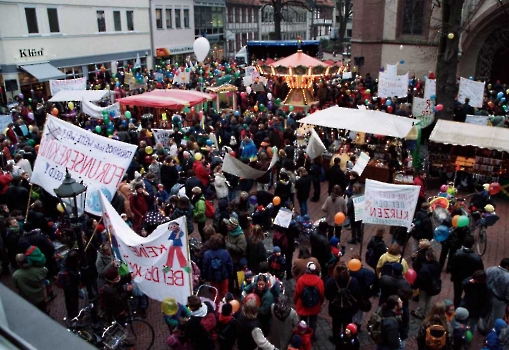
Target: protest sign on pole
(361,163)
(358,207)
(477,119)
(474,90)
(162,136)
(430,88)
(390,85)
(160,262)
(422,109)
(69,84)
(315,147)
(389,204)
(98,161)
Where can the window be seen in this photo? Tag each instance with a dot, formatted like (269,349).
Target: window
(244,20)
(186,18)
(230,15)
(413,17)
(237,14)
(117,21)
(250,15)
(237,41)
(130,20)
(159,18)
(231,48)
(177,18)
(31,17)
(255,16)
(169,19)
(53,21)
(348,33)
(101,21)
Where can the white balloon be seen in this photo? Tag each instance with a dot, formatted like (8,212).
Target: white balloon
(248,89)
(269,96)
(401,47)
(201,48)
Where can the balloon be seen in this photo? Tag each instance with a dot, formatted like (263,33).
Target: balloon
(494,188)
(388,102)
(261,107)
(270,105)
(21,96)
(366,102)
(269,96)
(242,94)
(148,159)
(235,305)
(489,86)
(507,91)
(248,89)
(368,91)
(105,113)
(471,78)
(255,108)
(402,62)
(390,109)
(468,335)
(61,208)
(411,276)
(54,112)
(198,156)
(29,100)
(112,113)
(463,221)
(127,114)
(276,200)
(31,116)
(450,36)
(149,150)
(500,95)
(290,108)
(432,97)
(236,113)
(98,129)
(354,265)
(502,100)
(252,296)
(441,233)
(438,108)
(106,120)
(201,48)
(455,220)
(339,218)
(278,101)
(169,306)
(70,105)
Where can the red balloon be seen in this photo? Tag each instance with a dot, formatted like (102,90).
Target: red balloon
(390,109)
(411,276)
(494,188)
(148,159)
(252,296)
(438,108)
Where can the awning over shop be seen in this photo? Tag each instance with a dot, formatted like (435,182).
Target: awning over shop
(172,99)
(79,95)
(43,71)
(465,134)
(367,121)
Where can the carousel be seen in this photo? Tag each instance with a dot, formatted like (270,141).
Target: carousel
(226,97)
(299,71)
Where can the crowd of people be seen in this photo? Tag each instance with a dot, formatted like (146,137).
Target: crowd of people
(183,177)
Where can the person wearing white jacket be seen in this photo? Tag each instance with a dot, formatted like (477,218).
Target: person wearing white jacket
(249,332)
(220,183)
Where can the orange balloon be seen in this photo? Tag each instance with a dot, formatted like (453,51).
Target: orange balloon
(339,218)
(276,200)
(354,265)
(255,108)
(455,220)
(54,112)
(235,305)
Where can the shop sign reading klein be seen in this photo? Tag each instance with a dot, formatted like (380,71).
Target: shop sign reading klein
(24,53)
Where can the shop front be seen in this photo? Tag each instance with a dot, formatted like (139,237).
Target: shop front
(175,54)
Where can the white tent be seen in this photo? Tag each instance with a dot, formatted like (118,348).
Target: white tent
(465,134)
(79,95)
(367,121)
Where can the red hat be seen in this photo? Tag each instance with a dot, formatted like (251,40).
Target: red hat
(352,328)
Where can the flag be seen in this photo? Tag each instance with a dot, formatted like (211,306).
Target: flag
(137,63)
(315,146)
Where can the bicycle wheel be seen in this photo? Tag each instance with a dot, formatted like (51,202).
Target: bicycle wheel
(481,240)
(140,335)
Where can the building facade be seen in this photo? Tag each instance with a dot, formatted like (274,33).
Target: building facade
(209,19)
(43,40)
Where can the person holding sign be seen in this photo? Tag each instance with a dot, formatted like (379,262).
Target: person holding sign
(176,245)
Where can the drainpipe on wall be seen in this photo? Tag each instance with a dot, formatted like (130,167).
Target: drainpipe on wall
(150,19)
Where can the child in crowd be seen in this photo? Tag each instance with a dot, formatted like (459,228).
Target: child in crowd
(348,339)
(305,333)
(449,310)
(295,343)
(497,339)
(461,334)
(226,328)
(277,263)
(162,196)
(178,341)
(248,279)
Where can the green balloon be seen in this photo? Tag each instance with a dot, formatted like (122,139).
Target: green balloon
(127,114)
(105,113)
(109,132)
(29,100)
(200,71)
(468,336)
(98,129)
(176,65)
(278,101)
(261,107)
(463,221)
(290,108)
(31,143)
(106,120)
(366,102)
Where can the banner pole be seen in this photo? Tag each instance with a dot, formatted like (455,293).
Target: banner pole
(28,203)
(93,234)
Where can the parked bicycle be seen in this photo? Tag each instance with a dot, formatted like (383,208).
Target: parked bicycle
(480,233)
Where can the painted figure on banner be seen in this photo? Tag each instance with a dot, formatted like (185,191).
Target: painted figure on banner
(175,239)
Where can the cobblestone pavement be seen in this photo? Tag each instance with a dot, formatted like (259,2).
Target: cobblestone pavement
(498,242)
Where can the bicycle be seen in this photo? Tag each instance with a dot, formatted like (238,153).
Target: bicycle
(480,233)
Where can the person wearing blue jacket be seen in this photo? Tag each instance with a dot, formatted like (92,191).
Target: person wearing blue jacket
(497,339)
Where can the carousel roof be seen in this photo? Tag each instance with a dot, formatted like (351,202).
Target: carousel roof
(299,59)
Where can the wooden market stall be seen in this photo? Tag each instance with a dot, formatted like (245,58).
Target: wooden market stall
(226,97)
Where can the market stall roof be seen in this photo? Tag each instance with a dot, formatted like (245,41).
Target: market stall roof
(465,134)
(368,121)
(223,88)
(299,59)
(43,71)
(172,99)
(79,95)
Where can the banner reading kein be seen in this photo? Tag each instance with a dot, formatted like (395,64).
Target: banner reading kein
(160,262)
(98,161)
(389,204)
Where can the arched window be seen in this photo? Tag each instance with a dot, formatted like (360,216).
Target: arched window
(412,21)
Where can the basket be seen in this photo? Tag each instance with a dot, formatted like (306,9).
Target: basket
(114,335)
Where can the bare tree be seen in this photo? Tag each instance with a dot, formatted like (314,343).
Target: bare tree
(344,8)
(278,6)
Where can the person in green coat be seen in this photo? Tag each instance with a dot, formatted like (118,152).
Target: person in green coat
(198,201)
(29,281)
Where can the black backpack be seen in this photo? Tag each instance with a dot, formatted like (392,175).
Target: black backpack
(374,253)
(310,296)
(435,286)
(217,270)
(344,300)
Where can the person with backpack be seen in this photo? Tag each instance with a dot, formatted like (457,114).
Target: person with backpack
(320,247)
(429,283)
(422,226)
(435,332)
(376,248)
(196,331)
(384,325)
(217,265)
(461,335)
(477,298)
(309,296)
(284,321)
(342,292)
(226,328)
(199,207)
(387,260)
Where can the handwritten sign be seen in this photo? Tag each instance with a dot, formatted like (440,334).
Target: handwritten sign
(283,218)
(358,207)
(98,161)
(390,85)
(361,163)
(477,119)
(347,75)
(422,110)
(66,85)
(392,70)
(160,262)
(162,136)
(474,90)
(430,89)
(389,204)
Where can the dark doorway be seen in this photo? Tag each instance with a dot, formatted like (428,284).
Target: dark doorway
(499,69)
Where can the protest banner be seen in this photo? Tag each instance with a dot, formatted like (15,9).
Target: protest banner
(422,109)
(315,147)
(474,90)
(162,136)
(430,88)
(392,70)
(160,262)
(389,204)
(98,161)
(232,165)
(94,111)
(5,120)
(477,119)
(361,163)
(358,207)
(390,86)
(66,85)
(347,75)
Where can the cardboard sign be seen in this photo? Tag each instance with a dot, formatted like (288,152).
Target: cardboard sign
(66,85)
(422,110)
(430,88)
(162,136)
(361,163)
(98,161)
(160,262)
(474,90)
(390,85)
(358,206)
(389,204)
(283,218)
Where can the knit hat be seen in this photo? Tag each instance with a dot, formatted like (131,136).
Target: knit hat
(352,328)
(499,325)
(276,249)
(397,269)
(334,241)
(227,309)
(448,303)
(248,274)
(111,275)
(302,327)
(196,190)
(489,208)
(461,314)
(296,341)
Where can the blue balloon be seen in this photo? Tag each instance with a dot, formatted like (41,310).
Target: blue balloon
(502,99)
(171,75)
(112,113)
(402,62)
(159,79)
(382,69)
(432,97)
(117,84)
(124,122)
(500,95)
(208,142)
(434,110)
(471,78)
(441,233)
(388,102)
(236,113)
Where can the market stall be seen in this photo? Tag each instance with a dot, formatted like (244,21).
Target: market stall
(369,131)
(226,97)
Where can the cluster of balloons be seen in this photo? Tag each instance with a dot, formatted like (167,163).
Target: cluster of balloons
(438,108)
(460,221)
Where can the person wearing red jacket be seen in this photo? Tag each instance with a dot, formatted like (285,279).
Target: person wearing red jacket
(304,294)
(5,181)
(200,171)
